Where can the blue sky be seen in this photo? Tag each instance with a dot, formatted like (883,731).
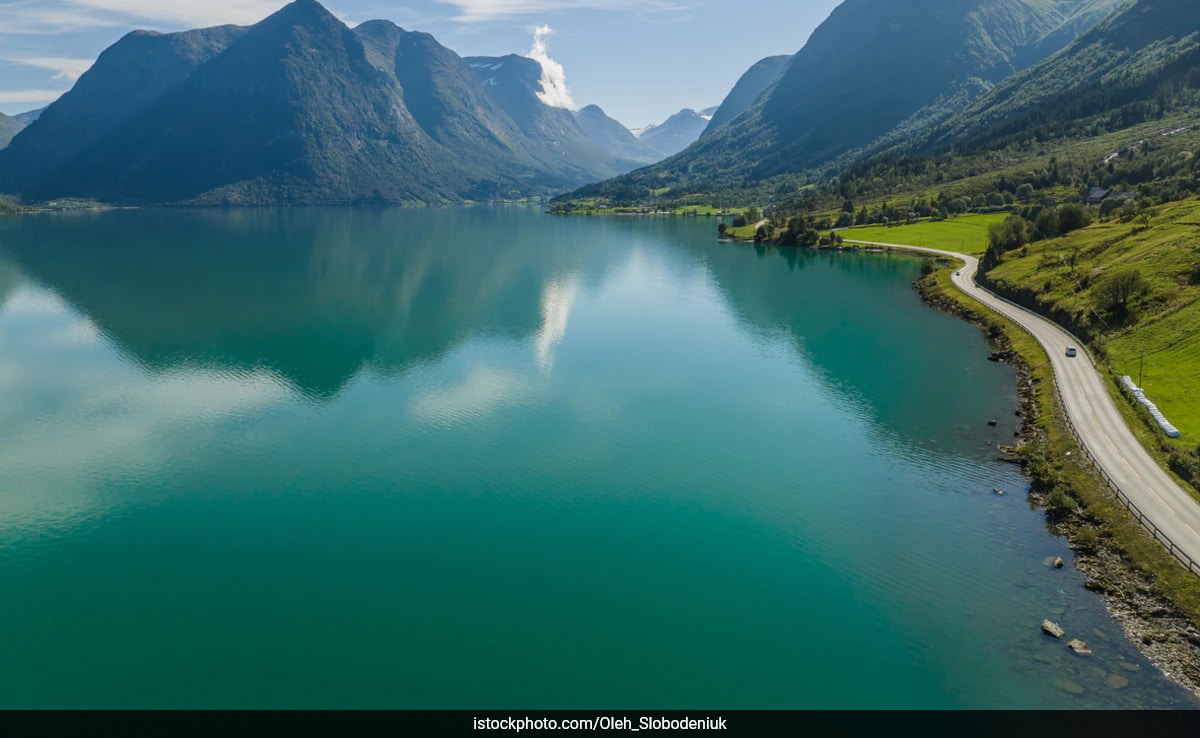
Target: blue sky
(640,60)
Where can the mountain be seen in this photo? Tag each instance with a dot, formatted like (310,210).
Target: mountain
(613,137)
(748,89)
(30,116)
(127,77)
(296,109)
(513,83)
(1137,65)
(9,127)
(677,132)
(874,73)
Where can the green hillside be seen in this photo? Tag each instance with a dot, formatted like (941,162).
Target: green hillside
(873,75)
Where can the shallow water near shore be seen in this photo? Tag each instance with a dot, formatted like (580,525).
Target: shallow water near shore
(490,458)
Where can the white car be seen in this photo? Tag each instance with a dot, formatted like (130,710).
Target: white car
(1071,351)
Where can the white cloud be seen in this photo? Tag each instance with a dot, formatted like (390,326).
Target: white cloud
(29,97)
(474,11)
(65,16)
(187,13)
(68,69)
(554,80)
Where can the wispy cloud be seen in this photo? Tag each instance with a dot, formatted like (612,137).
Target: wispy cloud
(12,97)
(475,11)
(66,16)
(67,69)
(186,13)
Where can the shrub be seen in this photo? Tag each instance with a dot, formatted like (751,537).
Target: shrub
(1117,293)
(1087,539)
(1058,502)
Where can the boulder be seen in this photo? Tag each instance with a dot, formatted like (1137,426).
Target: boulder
(1116,681)
(1053,629)
(993,423)
(1079,647)
(1058,562)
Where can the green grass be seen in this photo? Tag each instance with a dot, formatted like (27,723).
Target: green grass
(744,232)
(1164,325)
(1170,370)
(966,234)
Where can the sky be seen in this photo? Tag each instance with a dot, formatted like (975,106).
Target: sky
(640,60)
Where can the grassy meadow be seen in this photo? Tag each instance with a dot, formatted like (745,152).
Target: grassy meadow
(1067,275)
(966,234)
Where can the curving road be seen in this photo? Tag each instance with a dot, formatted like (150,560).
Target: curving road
(1164,505)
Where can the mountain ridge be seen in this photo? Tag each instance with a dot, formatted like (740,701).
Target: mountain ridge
(296,109)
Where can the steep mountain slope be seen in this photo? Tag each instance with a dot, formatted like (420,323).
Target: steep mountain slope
(126,78)
(9,127)
(748,89)
(677,132)
(30,116)
(295,109)
(513,82)
(613,137)
(874,68)
(1132,67)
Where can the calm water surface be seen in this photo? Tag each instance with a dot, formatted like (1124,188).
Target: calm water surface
(491,458)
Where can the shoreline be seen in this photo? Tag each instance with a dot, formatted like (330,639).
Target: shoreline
(1164,632)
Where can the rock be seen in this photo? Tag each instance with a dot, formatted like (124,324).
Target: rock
(1116,681)
(1058,562)
(997,490)
(1053,629)
(993,423)
(1067,685)
(1049,560)
(1128,666)
(1079,647)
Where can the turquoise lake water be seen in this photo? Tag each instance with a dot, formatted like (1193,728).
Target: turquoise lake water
(489,458)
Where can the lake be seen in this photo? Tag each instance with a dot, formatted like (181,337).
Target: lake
(490,458)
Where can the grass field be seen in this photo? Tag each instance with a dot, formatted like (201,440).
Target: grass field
(966,234)
(1164,325)
(744,232)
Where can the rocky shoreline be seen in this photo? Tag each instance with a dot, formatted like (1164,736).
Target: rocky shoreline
(1161,631)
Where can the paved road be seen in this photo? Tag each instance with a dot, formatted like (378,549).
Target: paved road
(1102,429)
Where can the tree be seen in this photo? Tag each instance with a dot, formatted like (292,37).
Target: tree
(1046,224)
(721,228)
(1011,233)
(1072,218)
(1025,192)
(1118,290)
